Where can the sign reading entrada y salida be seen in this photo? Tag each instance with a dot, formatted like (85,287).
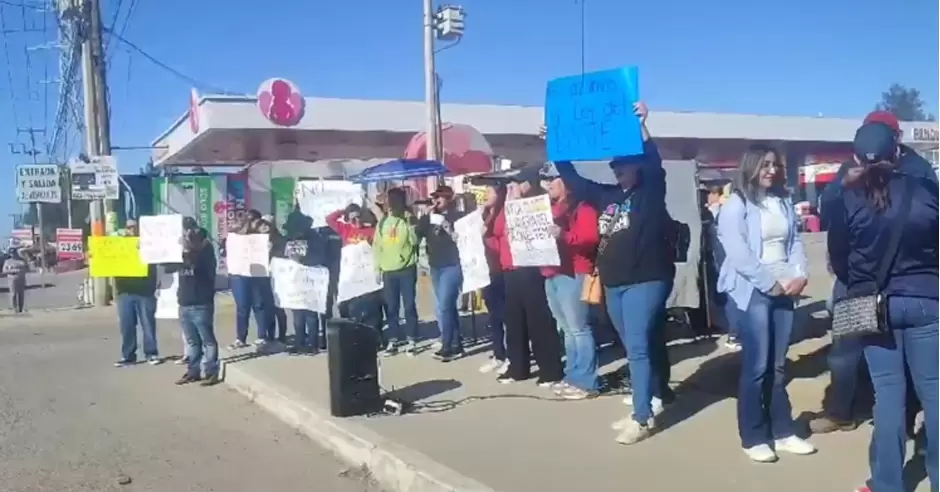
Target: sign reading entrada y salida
(38,184)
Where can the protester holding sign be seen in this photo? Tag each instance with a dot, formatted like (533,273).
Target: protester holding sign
(396,252)
(197,308)
(576,232)
(528,318)
(241,286)
(635,263)
(437,229)
(355,225)
(308,248)
(137,305)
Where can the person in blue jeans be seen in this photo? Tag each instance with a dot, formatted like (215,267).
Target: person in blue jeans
(197,308)
(635,261)
(576,232)
(395,246)
(764,267)
(881,199)
(137,305)
(307,247)
(437,230)
(242,288)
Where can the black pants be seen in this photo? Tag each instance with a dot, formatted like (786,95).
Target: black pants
(528,319)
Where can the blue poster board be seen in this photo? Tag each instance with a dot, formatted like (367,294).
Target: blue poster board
(590,117)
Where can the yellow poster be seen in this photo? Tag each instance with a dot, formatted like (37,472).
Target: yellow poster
(115,256)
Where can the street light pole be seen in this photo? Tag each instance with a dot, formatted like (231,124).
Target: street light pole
(432,143)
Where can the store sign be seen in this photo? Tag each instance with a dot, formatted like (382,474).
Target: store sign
(281,102)
(95,180)
(925,134)
(38,184)
(69,244)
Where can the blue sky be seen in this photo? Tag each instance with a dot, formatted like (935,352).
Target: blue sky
(797,57)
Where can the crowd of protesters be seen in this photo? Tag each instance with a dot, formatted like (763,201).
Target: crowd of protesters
(618,246)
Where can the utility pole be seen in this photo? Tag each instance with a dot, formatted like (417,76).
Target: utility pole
(432,143)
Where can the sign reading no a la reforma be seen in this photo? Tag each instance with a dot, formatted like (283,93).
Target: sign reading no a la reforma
(38,183)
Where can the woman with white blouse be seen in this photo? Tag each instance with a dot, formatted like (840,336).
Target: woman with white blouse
(763,268)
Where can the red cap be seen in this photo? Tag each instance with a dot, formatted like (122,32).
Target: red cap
(885,118)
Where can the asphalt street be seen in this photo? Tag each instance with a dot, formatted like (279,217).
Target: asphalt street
(60,290)
(70,421)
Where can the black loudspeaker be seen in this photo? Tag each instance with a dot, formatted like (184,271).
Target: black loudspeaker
(354,368)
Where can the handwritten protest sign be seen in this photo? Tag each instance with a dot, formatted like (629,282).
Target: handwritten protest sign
(299,287)
(161,238)
(317,199)
(168,306)
(247,254)
(476,272)
(358,274)
(590,116)
(113,256)
(529,223)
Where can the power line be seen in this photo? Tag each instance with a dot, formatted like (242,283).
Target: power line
(180,75)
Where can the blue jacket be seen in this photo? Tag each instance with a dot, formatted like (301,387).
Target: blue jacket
(740,237)
(858,239)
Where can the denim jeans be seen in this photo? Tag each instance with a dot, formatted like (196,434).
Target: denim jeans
(446,282)
(399,288)
(734,317)
(262,303)
(764,411)
(911,343)
(639,313)
(494,295)
(306,327)
(198,324)
(571,316)
(241,292)
(134,310)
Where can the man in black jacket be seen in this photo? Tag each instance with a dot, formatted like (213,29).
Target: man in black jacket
(137,305)
(197,308)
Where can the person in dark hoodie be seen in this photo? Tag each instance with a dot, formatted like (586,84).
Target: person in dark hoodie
(137,305)
(307,247)
(197,307)
(635,262)
(886,206)
(527,316)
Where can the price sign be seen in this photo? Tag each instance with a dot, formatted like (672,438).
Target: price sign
(70,244)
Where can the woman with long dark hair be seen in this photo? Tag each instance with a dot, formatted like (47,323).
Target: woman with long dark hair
(763,269)
(495,294)
(883,241)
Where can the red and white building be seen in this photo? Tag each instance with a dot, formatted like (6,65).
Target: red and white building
(335,137)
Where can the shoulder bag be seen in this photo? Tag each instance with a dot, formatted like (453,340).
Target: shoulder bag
(592,292)
(861,315)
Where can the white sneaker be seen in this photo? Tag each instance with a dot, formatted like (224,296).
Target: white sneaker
(153,360)
(503,368)
(794,445)
(634,432)
(761,453)
(411,349)
(490,366)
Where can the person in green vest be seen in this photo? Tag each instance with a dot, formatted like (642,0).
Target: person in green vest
(396,253)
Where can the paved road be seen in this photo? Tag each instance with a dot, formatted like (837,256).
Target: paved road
(69,421)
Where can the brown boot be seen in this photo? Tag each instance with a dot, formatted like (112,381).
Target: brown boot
(825,425)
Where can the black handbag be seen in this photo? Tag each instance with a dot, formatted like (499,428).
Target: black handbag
(861,315)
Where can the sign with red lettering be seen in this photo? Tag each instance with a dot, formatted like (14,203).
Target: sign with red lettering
(70,245)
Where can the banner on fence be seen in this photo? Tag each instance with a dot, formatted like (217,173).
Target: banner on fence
(358,273)
(476,271)
(115,256)
(161,238)
(69,244)
(248,254)
(299,287)
(529,224)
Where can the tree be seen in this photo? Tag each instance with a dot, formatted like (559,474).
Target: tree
(905,103)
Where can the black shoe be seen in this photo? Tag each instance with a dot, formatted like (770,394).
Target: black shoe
(506,379)
(210,381)
(125,363)
(439,354)
(186,379)
(452,355)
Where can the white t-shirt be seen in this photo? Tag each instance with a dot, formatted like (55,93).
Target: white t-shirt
(775,228)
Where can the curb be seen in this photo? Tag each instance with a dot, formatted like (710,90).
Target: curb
(394,466)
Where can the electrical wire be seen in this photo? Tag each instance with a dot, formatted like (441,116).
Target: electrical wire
(180,75)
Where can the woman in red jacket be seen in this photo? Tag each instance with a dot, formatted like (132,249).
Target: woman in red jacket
(495,294)
(528,318)
(576,231)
